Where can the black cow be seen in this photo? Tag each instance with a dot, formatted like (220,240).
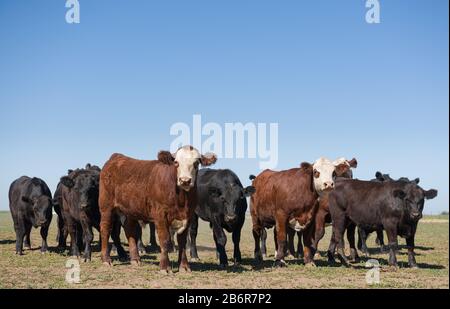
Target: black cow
(30,202)
(81,212)
(362,234)
(222,202)
(395,206)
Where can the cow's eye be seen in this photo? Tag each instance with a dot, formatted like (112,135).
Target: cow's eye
(316,173)
(196,163)
(176,163)
(334,174)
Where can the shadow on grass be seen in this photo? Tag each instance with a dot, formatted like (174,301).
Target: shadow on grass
(7,242)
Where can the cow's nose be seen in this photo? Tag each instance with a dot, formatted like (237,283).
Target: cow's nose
(185,181)
(230,217)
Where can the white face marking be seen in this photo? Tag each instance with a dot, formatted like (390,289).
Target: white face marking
(323,175)
(188,160)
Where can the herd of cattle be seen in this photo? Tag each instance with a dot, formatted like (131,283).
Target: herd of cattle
(171,194)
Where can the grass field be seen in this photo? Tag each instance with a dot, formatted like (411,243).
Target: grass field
(36,270)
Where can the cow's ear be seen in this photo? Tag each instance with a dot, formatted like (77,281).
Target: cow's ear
(69,171)
(307,167)
(214,192)
(88,166)
(400,194)
(165,157)
(249,190)
(67,181)
(379,176)
(417,180)
(26,199)
(353,163)
(208,159)
(430,194)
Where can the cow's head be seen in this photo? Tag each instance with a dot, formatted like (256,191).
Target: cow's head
(325,172)
(413,199)
(187,160)
(86,186)
(379,176)
(229,195)
(41,206)
(346,173)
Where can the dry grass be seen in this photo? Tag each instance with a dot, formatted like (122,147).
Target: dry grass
(34,270)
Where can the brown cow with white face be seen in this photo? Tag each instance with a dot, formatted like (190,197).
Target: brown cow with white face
(162,191)
(284,196)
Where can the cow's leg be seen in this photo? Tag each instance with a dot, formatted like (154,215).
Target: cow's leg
(162,227)
(410,245)
(19,227)
(300,249)
(106,223)
(140,244)
(153,244)
(362,241)
(380,240)
(275,241)
(290,241)
(62,233)
(351,229)
(319,231)
(88,236)
(72,228)
(130,228)
(236,235)
(44,234)
(281,225)
(338,240)
(193,229)
(221,240)
(257,232)
(182,257)
(263,242)
(115,235)
(308,248)
(26,240)
(391,231)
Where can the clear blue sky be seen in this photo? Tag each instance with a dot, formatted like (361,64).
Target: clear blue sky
(116,82)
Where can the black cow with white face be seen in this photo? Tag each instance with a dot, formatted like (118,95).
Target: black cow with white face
(222,202)
(30,202)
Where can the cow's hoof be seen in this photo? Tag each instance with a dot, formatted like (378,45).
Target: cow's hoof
(165,271)
(74,257)
(264,255)
(280,263)
(184,269)
(44,252)
(195,259)
(87,260)
(107,264)
(414,266)
(317,255)
(19,252)
(135,263)
(237,263)
(311,265)
(290,257)
(223,266)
